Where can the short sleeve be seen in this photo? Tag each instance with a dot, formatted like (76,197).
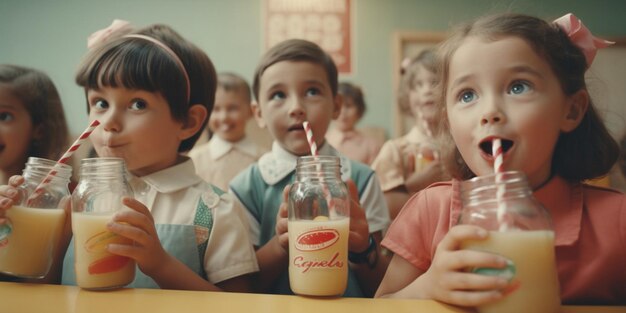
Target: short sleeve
(373,202)
(421,224)
(388,166)
(229,252)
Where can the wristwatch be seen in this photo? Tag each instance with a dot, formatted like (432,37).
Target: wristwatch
(369,256)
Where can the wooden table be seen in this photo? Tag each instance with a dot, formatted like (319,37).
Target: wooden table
(26,298)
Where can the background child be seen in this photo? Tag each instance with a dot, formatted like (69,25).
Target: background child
(410,163)
(229,151)
(151,91)
(520,79)
(344,136)
(32,122)
(296,81)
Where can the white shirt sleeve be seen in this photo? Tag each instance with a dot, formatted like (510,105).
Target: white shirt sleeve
(373,202)
(229,249)
(254,228)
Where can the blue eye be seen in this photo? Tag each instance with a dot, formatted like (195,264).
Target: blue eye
(279,95)
(467,96)
(101,104)
(313,92)
(519,88)
(6,117)
(138,105)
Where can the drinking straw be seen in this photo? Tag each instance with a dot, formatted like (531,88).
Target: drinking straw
(309,138)
(63,160)
(498,168)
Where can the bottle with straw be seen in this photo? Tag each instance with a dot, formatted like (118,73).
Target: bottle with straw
(519,230)
(318,225)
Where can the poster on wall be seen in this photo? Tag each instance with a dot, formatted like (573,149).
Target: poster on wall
(325,22)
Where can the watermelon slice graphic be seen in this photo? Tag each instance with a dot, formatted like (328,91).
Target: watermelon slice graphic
(316,239)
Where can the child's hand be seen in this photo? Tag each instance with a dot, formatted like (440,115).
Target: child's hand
(282,220)
(9,194)
(446,279)
(358,240)
(138,225)
(432,172)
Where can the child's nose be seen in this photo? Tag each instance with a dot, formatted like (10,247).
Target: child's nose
(296,107)
(111,121)
(492,113)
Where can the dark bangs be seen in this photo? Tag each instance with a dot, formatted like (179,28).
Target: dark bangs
(137,64)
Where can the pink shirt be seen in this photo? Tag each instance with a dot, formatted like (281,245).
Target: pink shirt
(590,230)
(355,145)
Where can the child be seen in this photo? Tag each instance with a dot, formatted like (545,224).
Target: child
(350,141)
(32,122)
(229,151)
(410,163)
(151,91)
(296,81)
(520,79)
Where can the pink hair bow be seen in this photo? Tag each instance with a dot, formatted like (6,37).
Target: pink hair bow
(120,27)
(581,36)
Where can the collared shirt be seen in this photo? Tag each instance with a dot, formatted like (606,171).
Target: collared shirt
(354,144)
(279,164)
(392,161)
(260,187)
(218,161)
(590,235)
(172,197)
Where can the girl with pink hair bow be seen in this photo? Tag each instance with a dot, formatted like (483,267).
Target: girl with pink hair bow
(519,79)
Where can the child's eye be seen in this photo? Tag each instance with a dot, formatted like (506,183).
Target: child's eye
(313,92)
(6,117)
(100,104)
(138,105)
(467,96)
(519,87)
(278,95)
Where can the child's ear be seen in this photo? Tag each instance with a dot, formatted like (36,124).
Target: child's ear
(256,112)
(577,105)
(195,118)
(338,102)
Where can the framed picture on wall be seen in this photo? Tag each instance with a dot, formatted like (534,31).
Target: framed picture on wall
(408,44)
(327,23)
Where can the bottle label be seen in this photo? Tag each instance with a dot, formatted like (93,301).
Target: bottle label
(317,239)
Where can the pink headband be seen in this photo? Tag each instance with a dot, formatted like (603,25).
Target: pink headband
(581,36)
(124,27)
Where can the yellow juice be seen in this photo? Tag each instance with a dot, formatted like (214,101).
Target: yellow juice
(318,257)
(95,267)
(35,234)
(534,286)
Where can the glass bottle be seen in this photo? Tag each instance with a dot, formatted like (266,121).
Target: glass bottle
(95,201)
(319,220)
(520,230)
(33,227)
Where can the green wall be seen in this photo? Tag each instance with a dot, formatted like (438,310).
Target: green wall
(51,35)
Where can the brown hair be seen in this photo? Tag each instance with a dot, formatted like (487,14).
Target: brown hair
(428,59)
(588,151)
(296,50)
(232,82)
(355,93)
(136,63)
(42,101)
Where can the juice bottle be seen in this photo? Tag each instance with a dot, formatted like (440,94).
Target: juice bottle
(30,235)
(319,211)
(519,230)
(95,200)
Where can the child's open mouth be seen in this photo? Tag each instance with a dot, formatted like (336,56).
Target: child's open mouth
(296,127)
(487,145)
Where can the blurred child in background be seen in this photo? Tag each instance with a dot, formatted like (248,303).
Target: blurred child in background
(229,150)
(344,136)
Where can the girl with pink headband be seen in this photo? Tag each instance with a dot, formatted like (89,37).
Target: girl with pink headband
(519,79)
(152,90)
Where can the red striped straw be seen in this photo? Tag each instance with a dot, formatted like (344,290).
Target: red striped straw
(63,160)
(498,168)
(309,138)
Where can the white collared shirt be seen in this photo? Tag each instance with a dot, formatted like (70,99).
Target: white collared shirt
(218,160)
(172,197)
